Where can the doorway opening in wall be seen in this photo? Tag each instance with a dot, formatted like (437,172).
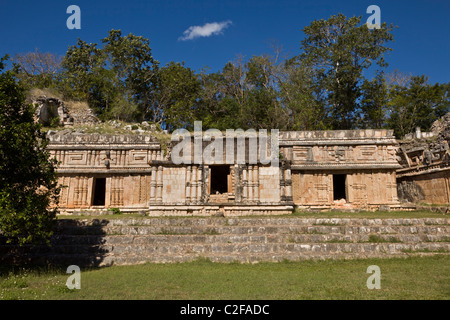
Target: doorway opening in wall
(99,192)
(339,187)
(219,179)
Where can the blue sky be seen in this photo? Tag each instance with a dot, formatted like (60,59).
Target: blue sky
(421,46)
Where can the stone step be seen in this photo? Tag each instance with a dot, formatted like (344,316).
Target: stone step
(255,230)
(240,247)
(253,258)
(274,248)
(88,240)
(127,241)
(251,222)
(240,253)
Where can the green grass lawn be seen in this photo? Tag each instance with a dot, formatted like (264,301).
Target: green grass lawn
(401,278)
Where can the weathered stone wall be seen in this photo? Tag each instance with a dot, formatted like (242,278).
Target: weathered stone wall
(364,188)
(48,109)
(121,160)
(174,185)
(269,182)
(367,158)
(425,158)
(138,175)
(340,149)
(427,187)
(122,190)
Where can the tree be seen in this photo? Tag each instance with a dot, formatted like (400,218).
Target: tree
(27,174)
(178,91)
(374,103)
(298,94)
(417,104)
(38,69)
(122,71)
(223,97)
(263,92)
(84,76)
(264,108)
(134,68)
(339,50)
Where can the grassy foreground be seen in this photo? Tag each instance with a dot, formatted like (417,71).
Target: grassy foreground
(401,278)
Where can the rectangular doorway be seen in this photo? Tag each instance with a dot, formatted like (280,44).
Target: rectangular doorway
(219,179)
(339,186)
(99,193)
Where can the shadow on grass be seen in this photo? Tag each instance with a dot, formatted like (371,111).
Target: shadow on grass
(74,242)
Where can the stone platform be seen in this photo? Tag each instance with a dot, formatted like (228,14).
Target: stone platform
(128,241)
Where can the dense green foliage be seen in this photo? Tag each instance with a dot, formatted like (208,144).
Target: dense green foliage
(337,81)
(417,104)
(27,175)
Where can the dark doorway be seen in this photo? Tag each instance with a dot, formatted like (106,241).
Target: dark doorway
(339,190)
(99,192)
(219,179)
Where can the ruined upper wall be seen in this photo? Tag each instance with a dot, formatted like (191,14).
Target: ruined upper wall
(340,149)
(420,152)
(76,140)
(82,153)
(337,137)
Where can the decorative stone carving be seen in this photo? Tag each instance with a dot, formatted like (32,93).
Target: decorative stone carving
(133,174)
(425,159)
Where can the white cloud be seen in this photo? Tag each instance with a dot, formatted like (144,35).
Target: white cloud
(208,29)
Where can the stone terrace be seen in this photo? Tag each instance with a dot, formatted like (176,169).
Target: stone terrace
(94,242)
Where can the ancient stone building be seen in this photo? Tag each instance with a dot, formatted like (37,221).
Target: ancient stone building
(232,176)
(425,160)
(101,171)
(346,169)
(51,111)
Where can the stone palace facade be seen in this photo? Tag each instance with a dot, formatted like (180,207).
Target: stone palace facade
(315,170)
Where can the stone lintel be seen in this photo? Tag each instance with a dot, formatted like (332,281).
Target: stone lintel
(344,166)
(101,139)
(372,134)
(103,147)
(416,171)
(100,170)
(285,143)
(208,210)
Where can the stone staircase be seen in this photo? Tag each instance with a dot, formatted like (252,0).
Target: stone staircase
(94,242)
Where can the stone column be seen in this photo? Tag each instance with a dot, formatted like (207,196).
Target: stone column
(153,184)
(194,184)
(256,183)
(85,191)
(288,181)
(159,184)
(199,184)
(188,183)
(250,183)
(76,197)
(237,183)
(244,184)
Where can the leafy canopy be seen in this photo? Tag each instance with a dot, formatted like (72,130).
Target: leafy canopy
(27,175)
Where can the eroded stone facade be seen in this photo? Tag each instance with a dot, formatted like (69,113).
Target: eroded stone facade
(348,169)
(425,160)
(323,169)
(104,171)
